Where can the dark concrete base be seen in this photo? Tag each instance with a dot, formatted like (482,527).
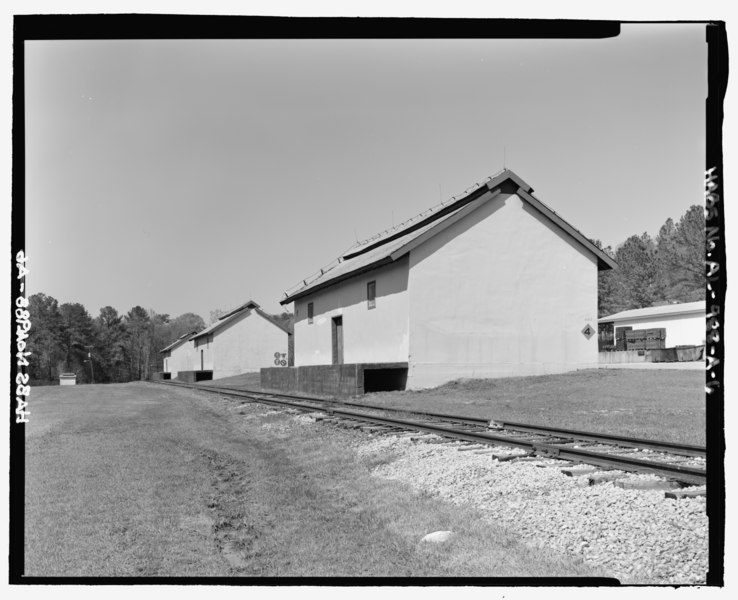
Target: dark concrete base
(160,376)
(336,381)
(194,376)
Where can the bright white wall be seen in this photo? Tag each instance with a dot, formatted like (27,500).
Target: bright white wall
(246,345)
(204,362)
(501,292)
(376,335)
(181,358)
(681,330)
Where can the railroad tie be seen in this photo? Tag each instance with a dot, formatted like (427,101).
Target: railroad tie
(421,438)
(506,457)
(677,494)
(649,485)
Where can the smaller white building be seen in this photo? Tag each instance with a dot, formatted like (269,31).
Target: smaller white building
(684,323)
(68,379)
(242,341)
(179,355)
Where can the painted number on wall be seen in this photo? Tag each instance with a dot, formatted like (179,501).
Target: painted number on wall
(280,359)
(588,331)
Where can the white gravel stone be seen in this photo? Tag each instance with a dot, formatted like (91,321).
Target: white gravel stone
(438,537)
(637,535)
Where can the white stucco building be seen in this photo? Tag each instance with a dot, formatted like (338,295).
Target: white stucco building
(179,355)
(684,323)
(491,284)
(242,341)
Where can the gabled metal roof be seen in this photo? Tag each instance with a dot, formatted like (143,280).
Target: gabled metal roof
(394,245)
(667,310)
(231,316)
(179,341)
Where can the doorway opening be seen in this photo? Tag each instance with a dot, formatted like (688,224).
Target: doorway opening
(337,345)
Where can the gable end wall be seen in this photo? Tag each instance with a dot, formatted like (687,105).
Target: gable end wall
(503,292)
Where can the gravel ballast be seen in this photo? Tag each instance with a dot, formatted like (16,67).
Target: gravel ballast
(639,536)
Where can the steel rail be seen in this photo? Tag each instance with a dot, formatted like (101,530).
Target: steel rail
(678,472)
(670,447)
(619,440)
(690,475)
(605,438)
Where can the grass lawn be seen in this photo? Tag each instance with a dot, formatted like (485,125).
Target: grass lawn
(147,480)
(659,404)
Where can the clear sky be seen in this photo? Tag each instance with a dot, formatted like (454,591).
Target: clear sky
(185,176)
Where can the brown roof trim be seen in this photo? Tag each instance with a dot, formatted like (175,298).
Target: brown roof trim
(273,321)
(249,304)
(370,267)
(604,262)
(460,214)
(231,317)
(467,207)
(524,190)
(434,217)
(220,324)
(186,337)
(493,183)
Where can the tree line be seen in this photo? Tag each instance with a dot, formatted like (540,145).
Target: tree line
(655,271)
(108,348)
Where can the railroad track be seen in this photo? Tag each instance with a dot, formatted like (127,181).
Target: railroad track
(680,463)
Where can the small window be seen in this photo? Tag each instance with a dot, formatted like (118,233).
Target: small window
(371,294)
(310,312)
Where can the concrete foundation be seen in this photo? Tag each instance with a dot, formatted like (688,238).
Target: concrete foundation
(336,381)
(194,376)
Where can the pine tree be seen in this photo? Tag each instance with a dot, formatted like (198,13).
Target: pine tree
(690,241)
(110,355)
(44,337)
(77,336)
(137,324)
(637,281)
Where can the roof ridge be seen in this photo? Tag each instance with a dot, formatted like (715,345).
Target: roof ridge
(347,254)
(429,211)
(429,221)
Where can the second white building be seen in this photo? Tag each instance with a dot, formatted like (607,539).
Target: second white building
(242,341)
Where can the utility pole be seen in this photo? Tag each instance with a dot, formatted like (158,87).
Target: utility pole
(92,369)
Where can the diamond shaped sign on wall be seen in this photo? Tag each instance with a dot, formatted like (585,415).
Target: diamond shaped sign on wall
(588,331)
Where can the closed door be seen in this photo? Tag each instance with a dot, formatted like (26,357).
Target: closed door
(202,361)
(337,340)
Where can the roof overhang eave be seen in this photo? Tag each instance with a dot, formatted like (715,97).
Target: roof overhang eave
(321,286)
(604,262)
